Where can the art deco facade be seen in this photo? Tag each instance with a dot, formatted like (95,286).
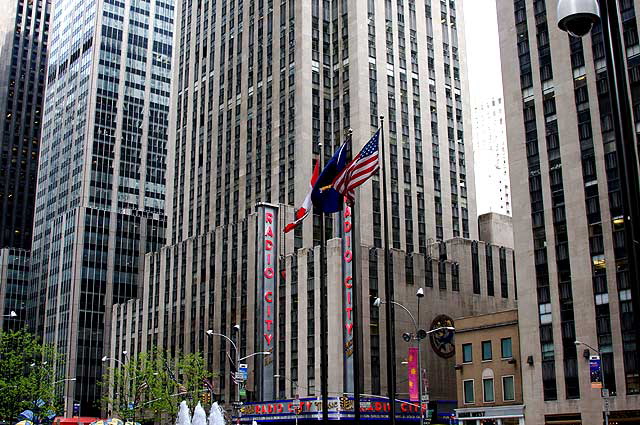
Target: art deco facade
(24,38)
(101,190)
(180,302)
(568,221)
(258,86)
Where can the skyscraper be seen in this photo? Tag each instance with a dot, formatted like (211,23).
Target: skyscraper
(101,191)
(14,287)
(24,37)
(572,262)
(258,86)
(490,150)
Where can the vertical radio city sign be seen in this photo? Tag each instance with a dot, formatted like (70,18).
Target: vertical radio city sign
(267,245)
(347,297)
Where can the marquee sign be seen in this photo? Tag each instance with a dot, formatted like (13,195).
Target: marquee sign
(266,273)
(347,298)
(339,408)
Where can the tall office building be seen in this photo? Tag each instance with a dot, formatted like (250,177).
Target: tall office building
(101,190)
(14,288)
(490,152)
(258,86)
(568,220)
(24,36)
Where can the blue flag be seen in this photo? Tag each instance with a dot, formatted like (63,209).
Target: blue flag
(324,197)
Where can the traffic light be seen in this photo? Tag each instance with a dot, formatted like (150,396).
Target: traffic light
(206,397)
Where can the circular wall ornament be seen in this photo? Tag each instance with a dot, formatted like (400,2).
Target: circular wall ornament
(442,340)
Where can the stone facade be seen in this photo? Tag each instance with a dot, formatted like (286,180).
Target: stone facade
(568,220)
(178,305)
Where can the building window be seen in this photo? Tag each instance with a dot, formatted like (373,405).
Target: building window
(486,350)
(468,391)
(467,355)
(505,345)
(487,390)
(475,266)
(508,392)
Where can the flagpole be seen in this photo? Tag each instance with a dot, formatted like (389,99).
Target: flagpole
(357,333)
(388,290)
(324,325)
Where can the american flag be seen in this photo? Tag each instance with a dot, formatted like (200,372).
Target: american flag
(363,166)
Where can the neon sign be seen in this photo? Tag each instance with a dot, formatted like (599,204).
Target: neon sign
(267,265)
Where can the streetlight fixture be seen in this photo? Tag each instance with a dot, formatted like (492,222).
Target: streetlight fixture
(12,313)
(210,332)
(604,385)
(419,335)
(105,358)
(120,363)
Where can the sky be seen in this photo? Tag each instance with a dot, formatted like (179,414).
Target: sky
(483,50)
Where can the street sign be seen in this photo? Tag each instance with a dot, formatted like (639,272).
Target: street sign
(242,372)
(605,392)
(131,405)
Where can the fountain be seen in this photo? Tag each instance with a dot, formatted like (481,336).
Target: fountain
(216,417)
(184,418)
(199,416)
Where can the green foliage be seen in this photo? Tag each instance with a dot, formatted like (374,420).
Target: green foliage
(149,381)
(27,374)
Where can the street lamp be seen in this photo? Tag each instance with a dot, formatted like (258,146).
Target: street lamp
(418,336)
(105,358)
(12,313)
(604,385)
(120,363)
(210,332)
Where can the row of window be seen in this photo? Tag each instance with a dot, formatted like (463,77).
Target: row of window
(488,390)
(506,351)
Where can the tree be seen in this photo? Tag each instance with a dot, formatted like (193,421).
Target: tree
(153,384)
(27,375)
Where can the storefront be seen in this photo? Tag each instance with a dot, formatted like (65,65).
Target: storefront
(309,410)
(499,415)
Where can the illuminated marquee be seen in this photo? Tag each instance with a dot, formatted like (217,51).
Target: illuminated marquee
(338,408)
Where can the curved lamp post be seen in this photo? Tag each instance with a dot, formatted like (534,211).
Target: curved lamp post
(238,359)
(418,336)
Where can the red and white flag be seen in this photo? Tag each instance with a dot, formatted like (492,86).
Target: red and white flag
(303,212)
(358,171)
